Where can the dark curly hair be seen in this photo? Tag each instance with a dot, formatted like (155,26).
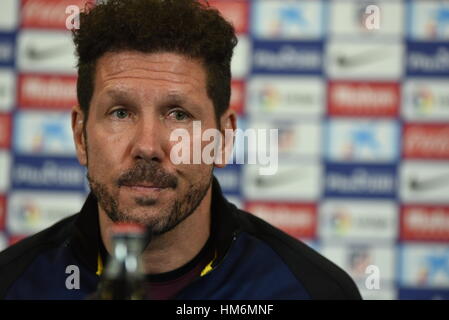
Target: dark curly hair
(188,27)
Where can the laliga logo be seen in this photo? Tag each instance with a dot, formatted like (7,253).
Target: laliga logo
(341,221)
(423,100)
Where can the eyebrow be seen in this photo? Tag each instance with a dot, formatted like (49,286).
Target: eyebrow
(178,99)
(117,94)
(171,98)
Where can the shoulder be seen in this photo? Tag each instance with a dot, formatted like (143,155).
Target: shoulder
(15,259)
(321,277)
(44,238)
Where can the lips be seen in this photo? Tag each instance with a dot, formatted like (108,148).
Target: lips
(146,186)
(144,189)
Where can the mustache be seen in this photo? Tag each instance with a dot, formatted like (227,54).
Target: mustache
(148,173)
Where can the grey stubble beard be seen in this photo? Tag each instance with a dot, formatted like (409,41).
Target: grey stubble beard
(181,208)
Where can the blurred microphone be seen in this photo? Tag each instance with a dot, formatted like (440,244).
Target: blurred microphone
(124,275)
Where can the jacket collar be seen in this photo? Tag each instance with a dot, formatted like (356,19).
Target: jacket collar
(85,239)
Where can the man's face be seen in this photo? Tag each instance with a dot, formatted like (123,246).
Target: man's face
(139,99)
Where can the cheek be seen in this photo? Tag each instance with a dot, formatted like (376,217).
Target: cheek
(103,155)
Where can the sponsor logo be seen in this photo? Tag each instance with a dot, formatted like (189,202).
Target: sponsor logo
(8,14)
(426,141)
(356,258)
(360,258)
(7,48)
(428,59)
(425,223)
(46,52)
(2,211)
(47,14)
(30,212)
(283,57)
(48,174)
(229,178)
(292,181)
(426,100)
(49,92)
(5,130)
(358,220)
(367,181)
(362,140)
(425,182)
(366,18)
(237,101)
(352,61)
(235,11)
(359,59)
(429,20)
(241,59)
(296,219)
(36,54)
(296,139)
(375,99)
(7,90)
(43,133)
(425,266)
(285,96)
(5,169)
(287,20)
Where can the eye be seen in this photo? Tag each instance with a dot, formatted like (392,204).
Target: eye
(178,115)
(120,113)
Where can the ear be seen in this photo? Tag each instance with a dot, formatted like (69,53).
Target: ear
(78,135)
(228,125)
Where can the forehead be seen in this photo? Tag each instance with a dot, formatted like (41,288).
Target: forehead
(130,69)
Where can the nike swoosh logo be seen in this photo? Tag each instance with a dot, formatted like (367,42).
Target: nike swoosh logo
(360,59)
(36,54)
(281,178)
(416,184)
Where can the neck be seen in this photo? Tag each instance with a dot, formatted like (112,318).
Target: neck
(175,248)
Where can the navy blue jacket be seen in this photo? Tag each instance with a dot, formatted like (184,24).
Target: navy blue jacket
(254,261)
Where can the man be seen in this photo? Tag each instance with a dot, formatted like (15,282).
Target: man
(147,68)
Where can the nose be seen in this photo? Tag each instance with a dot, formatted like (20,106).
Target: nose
(148,140)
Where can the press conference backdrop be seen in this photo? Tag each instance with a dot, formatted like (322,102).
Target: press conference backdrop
(363,119)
